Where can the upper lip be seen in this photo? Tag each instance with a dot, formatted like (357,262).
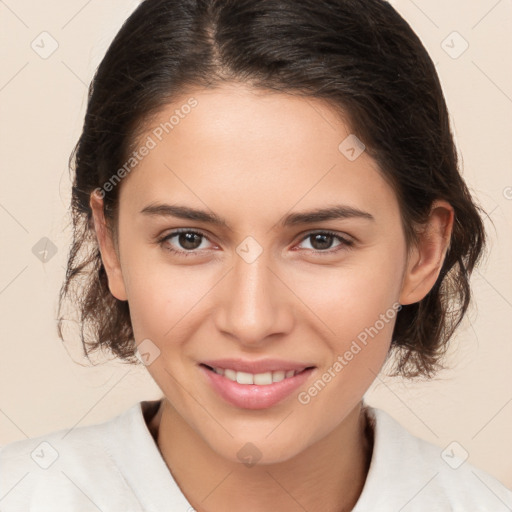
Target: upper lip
(260,366)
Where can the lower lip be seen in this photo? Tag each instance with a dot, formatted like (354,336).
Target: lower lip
(253,396)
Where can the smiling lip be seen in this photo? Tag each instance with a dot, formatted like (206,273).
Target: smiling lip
(254,396)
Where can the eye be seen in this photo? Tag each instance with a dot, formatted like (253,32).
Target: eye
(321,241)
(187,240)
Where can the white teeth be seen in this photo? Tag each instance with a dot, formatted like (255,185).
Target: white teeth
(244,378)
(277,376)
(261,379)
(230,374)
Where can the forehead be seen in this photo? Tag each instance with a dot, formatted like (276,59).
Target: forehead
(236,146)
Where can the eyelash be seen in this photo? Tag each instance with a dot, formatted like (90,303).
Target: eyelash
(345,243)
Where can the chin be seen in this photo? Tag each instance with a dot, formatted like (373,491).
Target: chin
(257,449)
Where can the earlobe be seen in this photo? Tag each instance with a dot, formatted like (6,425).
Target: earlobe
(108,252)
(427,257)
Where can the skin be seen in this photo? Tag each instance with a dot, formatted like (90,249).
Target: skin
(252,157)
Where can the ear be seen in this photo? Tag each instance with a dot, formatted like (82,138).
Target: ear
(107,248)
(427,257)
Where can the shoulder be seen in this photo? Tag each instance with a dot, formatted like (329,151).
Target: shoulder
(77,462)
(410,473)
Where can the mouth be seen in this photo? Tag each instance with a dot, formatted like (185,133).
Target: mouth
(259,379)
(262,390)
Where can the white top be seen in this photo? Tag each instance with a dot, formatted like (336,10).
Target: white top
(116,466)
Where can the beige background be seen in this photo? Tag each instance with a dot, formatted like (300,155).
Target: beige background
(42,105)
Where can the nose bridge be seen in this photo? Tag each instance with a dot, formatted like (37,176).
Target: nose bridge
(253,307)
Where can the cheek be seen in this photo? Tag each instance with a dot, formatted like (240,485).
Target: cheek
(357,307)
(167,299)
(360,308)
(352,296)
(164,298)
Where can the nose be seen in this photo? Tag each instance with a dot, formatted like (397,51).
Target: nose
(254,303)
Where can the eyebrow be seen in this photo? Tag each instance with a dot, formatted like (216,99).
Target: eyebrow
(292,219)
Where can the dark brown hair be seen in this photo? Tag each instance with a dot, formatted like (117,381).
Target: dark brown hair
(360,56)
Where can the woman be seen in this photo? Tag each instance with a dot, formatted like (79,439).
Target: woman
(267,208)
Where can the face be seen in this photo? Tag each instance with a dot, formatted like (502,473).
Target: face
(265,285)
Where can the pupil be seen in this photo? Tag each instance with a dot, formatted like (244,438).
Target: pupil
(187,240)
(322,238)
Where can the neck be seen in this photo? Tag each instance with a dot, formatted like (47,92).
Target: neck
(328,476)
